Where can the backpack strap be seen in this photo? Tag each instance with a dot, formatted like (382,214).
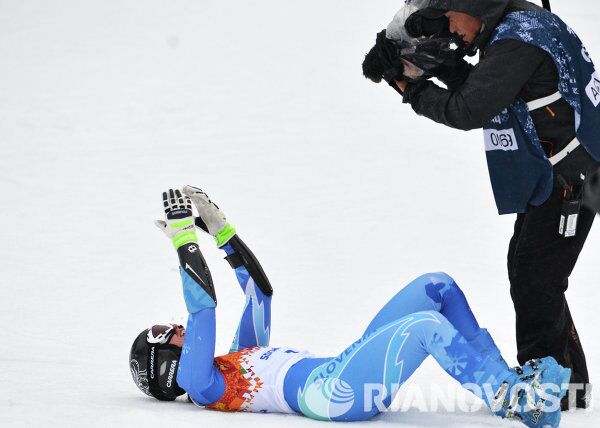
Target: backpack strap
(543,102)
(565,152)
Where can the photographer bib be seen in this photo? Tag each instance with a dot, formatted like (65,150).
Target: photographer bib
(520,172)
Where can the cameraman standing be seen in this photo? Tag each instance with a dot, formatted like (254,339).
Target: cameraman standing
(536,94)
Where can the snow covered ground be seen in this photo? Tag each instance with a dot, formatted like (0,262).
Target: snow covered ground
(341,191)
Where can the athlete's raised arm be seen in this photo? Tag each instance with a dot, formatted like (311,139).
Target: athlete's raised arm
(197,373)
(255,324)
(254,328)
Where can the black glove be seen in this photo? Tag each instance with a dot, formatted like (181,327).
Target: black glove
(383,61)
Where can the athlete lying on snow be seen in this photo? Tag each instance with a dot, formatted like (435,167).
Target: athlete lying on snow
(430,316)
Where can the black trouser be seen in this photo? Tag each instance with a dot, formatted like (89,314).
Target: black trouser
(540,262)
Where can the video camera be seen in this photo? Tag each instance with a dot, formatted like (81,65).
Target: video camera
(415,46)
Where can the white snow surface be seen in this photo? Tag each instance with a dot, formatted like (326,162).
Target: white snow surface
(342,192)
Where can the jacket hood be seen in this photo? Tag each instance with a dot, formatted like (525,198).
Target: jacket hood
(490,12)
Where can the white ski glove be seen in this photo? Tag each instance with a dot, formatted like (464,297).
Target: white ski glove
(210,219)
(179,219)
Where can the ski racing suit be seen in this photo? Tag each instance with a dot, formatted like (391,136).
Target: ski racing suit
(430,316)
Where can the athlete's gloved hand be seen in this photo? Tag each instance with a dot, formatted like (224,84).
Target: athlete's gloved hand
(210,219)
(383,61)
(179,219)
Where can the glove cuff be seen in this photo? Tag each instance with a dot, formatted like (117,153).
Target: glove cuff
(186,233)
(224,235)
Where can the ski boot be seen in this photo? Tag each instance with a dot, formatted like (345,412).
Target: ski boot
(524,396)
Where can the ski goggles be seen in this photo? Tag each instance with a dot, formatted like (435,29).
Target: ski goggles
(161,333)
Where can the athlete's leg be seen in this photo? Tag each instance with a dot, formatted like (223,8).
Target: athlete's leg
(362,380)
(437,292)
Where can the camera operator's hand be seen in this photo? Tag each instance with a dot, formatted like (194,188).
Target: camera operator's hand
(383,62)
